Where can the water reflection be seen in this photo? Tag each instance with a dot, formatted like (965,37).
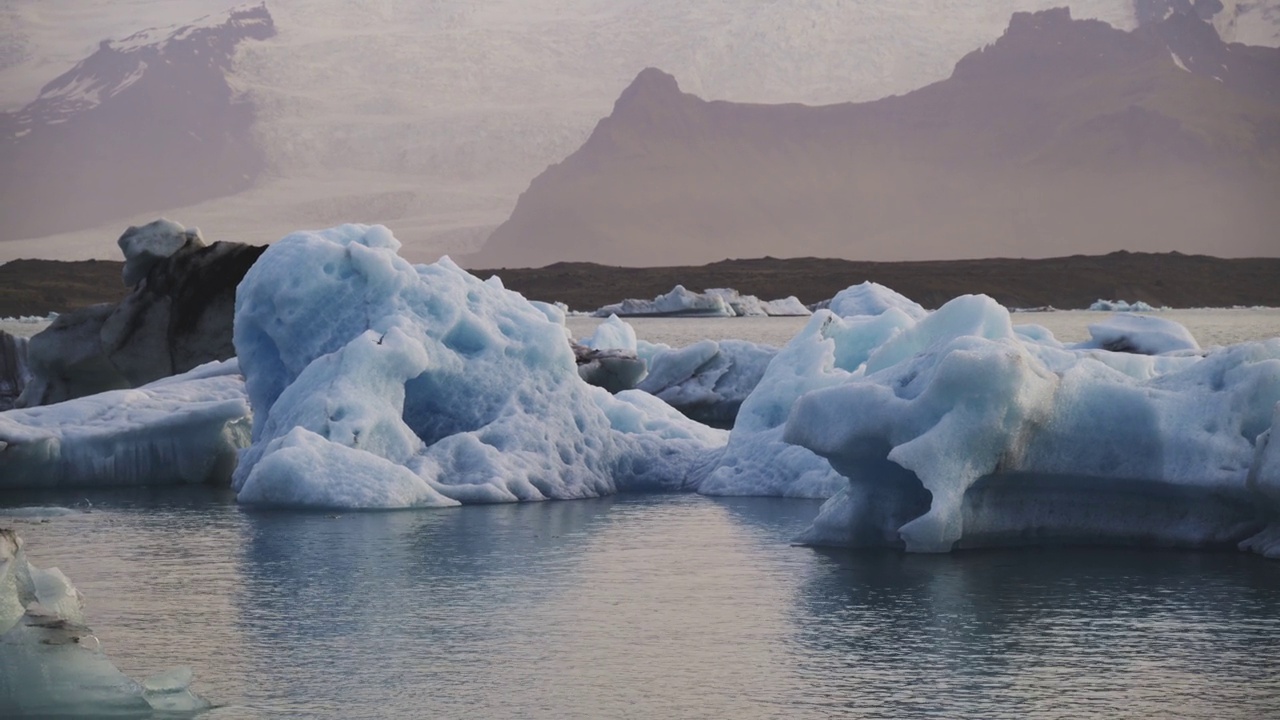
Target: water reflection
(652,606)
(1041,633)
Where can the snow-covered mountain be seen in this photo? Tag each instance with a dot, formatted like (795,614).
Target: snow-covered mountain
(141,125)
(433,116)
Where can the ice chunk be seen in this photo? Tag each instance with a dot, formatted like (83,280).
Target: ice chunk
(376,383)
(708,380)
(183,429)
(959,431)
(752,306)
(677,302)
(612,334)
(871,298)
(1140,334)
(144,246)
(52,665)
(824,353)
(1121,306)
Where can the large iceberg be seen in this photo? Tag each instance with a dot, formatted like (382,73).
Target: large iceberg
(182,429)
(51,664)
(960,430)
(379,384)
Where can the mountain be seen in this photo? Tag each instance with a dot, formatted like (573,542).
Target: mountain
(1062,135)
(142,124)
(432,117)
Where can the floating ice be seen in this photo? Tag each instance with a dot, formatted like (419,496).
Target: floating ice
(716,302)
(752,306)
(870,298)
(52,665)
(376,383)
(183,429)
(1140,334)
(824,353)
(144,246)
(708,380)
(960,431)
(679,301)
(1121,306)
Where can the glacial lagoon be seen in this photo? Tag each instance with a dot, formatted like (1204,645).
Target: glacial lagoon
(653,606)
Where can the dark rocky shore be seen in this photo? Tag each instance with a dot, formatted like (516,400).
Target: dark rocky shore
(37,287)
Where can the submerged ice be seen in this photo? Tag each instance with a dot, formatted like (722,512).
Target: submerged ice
(378,384)
(51,664)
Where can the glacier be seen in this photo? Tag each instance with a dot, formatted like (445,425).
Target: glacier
(182,429)
(51,664)
(375,383)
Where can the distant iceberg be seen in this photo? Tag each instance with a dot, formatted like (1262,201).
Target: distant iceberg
(379,384)
(716,302)
(51,664)
(1122,306)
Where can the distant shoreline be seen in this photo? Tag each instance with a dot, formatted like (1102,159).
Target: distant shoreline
(38,287)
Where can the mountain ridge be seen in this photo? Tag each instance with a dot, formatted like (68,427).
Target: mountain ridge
(142,124)
(1057,114)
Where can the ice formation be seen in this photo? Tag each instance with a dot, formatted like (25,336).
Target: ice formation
(958,430)
(148,244)
(52,665)
(378,384)
(1140,334)
(608,358)
(826,352)
(1121,306)
(871,298)
(14,373)
(708,380)
(183,429)
(716,302)
(752,306)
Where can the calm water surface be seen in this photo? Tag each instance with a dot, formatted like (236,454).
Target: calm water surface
(650,606)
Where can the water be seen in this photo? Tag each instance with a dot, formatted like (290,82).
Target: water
(1210,326)
(656,606)
(650,606)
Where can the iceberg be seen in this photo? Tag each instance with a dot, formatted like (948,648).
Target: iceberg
(51,664)
(961,431)
(1140,334)
(14,373)
(708,380)
(144,246)
(1121,306)
(182,429)
(715,302)
(380,384)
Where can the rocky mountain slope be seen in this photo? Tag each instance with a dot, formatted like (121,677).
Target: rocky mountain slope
(432,117)
(1062,134)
